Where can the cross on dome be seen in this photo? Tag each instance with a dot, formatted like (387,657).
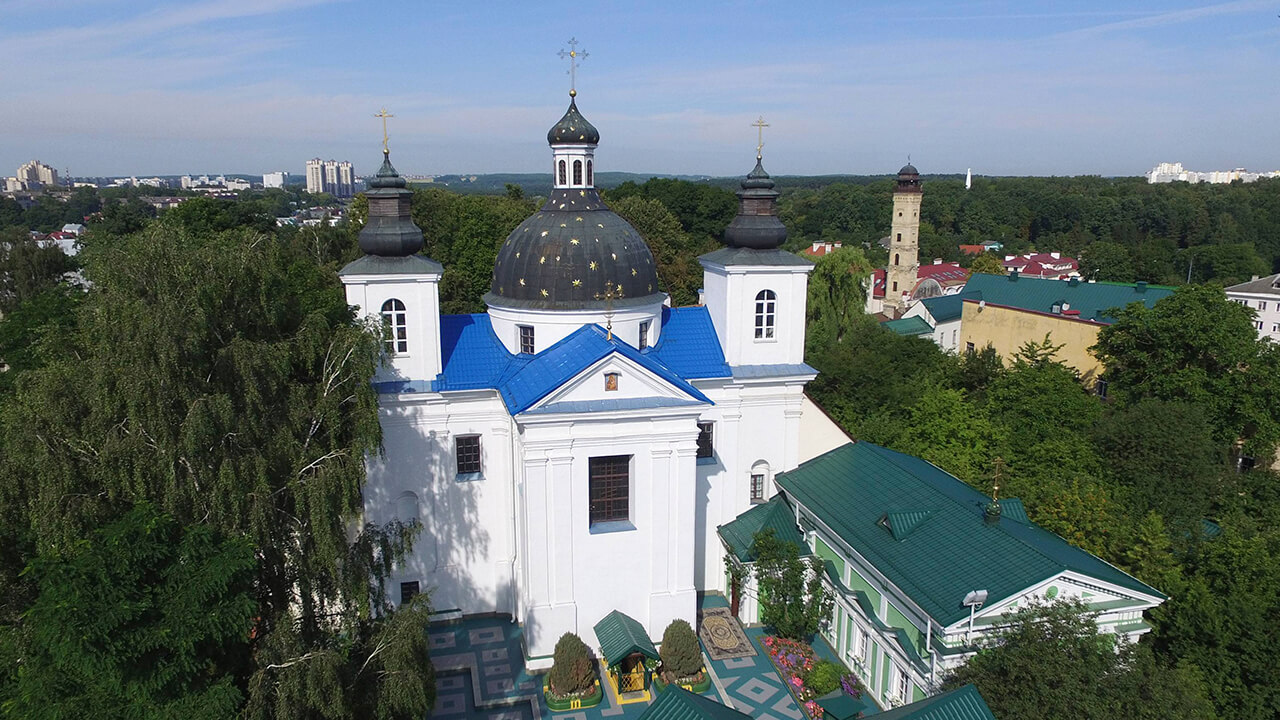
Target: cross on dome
(573,56)
(760,125)
(384,115)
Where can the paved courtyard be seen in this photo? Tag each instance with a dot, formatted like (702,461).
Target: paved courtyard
(481,674)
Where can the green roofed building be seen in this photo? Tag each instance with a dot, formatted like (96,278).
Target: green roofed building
(922,569)
(909,326)
(963,703)
(676,703)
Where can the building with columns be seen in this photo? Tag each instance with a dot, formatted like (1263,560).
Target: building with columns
(571,451)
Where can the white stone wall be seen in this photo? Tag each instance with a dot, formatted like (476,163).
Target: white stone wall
(1266,310)
(552,326)
(421,297)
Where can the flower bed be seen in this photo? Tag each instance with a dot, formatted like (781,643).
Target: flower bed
(573,701)
(698,684)
(796,662)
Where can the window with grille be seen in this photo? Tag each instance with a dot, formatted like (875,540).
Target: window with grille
(706,440)
(644,335)
(766,306)
(610,488)
(396,322)
(526,339)
(563,176)
(467,448)
(757,487)
(577,172)
(590,180)
(408,590)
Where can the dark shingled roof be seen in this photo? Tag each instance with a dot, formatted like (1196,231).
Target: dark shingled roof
(569,254)
(573,129)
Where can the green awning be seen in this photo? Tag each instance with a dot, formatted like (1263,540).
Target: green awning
(621,635)
(838,706)
(676,703)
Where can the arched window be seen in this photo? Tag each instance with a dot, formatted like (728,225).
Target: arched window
(590,178)
(577,172)
(407,508)
(562,172)
(766,304)
(395,320)
(895,258)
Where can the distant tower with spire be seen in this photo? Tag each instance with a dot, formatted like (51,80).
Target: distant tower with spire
(904,241)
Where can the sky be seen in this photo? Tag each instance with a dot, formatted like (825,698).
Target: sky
(144,87)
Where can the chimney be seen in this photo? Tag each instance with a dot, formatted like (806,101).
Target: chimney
(1013,276)
(1055,255)
(1140,286)
(1255,277)
(938,261)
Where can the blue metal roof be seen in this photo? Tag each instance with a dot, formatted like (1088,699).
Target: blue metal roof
(473,359)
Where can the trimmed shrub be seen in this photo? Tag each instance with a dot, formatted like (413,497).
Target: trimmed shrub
(824,677)
(681,656)
(571,668)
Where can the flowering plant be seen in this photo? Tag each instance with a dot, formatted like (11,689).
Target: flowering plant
(796,662)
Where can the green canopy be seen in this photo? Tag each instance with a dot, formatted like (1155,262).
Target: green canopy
(621,635)
(838,706)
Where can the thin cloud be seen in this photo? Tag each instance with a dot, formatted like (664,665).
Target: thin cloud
(1176,18)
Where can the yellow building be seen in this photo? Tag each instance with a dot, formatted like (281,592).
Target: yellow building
(1007,311)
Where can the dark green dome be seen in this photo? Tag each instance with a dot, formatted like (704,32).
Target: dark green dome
(573,129)
(389,231)
(756,226)
(569,254)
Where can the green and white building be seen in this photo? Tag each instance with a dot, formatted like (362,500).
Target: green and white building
(921,569)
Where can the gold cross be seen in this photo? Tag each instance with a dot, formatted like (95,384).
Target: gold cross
(995,489)
(384,115)
(573,56)
(611,292)
(759,125)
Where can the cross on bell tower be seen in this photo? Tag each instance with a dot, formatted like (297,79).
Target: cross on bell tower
(760,125)
(386,150)
(574,58)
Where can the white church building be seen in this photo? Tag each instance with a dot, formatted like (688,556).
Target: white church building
(572,451)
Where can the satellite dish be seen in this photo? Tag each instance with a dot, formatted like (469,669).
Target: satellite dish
(975,598)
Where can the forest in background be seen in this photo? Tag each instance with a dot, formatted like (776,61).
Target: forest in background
(1131,478)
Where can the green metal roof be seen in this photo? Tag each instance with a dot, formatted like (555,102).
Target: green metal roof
(914,325)
(621,635)
(944,556)
(945,307)
(838,706)
(963,703)
(776,514)
(676,703)
(1092,300)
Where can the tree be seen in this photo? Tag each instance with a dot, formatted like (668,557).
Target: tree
(27,268)
(987,263)
(1107,261)
(837,294)
(674,251)
(1052,663)
(1196,346)
(223,379)
(681,654)
(143,619)
(944,429)
(1164,454)
(571,669)
(792,598)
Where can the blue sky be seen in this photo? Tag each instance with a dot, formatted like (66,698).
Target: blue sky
(1022,88)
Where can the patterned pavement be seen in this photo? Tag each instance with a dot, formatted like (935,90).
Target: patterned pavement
(481,674)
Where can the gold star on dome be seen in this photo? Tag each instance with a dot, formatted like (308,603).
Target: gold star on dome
(578,219)
(573,241)
(544,233)
(543,291)
(557,258)
(613,255)
(633,272)
(521,282)
(542,260)
(563,225)
(561,206)
(517,254)
(583,193)
(600,225)
(651,288)
(576,283)
(593,265)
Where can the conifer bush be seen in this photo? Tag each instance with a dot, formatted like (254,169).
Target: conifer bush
(571,670)
(681,656)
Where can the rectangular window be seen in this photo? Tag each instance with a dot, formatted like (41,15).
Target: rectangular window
(901,685)
(467,448)
(526,338)
(706,447)
(1262,304)
(407,591)
(1100,388)
(644,335)
(757,487)
(1258,324)
(610,488)
(968,347)
(1275,327)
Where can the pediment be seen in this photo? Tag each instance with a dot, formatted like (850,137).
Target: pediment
(615,382)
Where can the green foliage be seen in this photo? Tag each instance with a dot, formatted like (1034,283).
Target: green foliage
(681,654)
(1052,663)
(571,669)
(1196,346)
(27,269)
(704,211)
(222,378)
(210,215)
(987,263)
(1107,262)
(792,598)
(22,330)
(943,429)
(824,677)
(674,251)
(142,619)
(837,294)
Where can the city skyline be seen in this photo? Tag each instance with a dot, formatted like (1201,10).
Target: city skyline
(1006,89)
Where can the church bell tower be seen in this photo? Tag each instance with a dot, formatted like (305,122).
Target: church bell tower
(904,242)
